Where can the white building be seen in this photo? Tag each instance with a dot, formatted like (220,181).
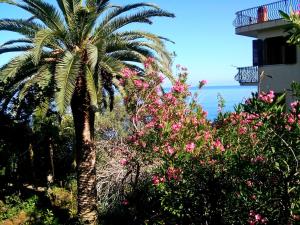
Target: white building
(276,64)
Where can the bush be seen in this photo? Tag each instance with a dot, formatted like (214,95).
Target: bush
(243,169)
(16,211)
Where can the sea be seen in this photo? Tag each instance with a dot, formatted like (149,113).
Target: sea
(232,95)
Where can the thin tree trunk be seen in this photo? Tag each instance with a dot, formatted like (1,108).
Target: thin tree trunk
(31,159)
(85,153)
(50,176)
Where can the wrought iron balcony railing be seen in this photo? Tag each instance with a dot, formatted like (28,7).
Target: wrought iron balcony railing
(265,13)
(247,75)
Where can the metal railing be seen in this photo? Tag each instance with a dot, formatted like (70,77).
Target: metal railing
(247,75)
(265,13)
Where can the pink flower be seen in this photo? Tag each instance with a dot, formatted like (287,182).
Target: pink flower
(258,217)
(190,147)
(218,145)
(173,173)
(138,83)
(207,135)
(125,202)
(178,87)
(156,180)
(242,130)
(294,104)
(258,159)
(176,127)
(249,183)
(170,150)
(148,62)
(123,162)
(267,98)
(145,85)
(202,83)
(127,73)
(291,119)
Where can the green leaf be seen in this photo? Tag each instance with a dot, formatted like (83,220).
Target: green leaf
(284,15)
(41,78)
(42,38)
(92,53)
(12,68)
(91,86)
(66,73)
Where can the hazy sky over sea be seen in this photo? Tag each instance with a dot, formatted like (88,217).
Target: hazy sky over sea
(202,30)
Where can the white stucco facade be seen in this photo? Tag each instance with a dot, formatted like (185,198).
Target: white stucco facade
(276,77)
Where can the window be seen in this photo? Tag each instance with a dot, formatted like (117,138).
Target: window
(273,51)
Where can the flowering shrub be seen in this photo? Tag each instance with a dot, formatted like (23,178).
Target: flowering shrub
(242,169)
(263,154)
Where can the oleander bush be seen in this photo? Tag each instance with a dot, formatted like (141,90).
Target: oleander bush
(241,169)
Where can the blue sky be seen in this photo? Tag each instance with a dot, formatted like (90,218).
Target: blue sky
(203,33)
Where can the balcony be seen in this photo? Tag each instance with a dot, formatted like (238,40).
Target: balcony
(247,76)
(265,13)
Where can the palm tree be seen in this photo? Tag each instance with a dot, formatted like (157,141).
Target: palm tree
(82,47)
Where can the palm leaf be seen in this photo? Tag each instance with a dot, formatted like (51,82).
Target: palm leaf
(20,40)
(46,13)
(91,87)
(24,27)
(140,17)
(15,49)
(92,53)
(65,76)
(42,78)
(14,66)
(118,11)
(42,38)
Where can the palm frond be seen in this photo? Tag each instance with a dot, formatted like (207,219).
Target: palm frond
(15,49)
(102,5)
(66,73)
(140,17)
(118,11)
(20,40)
(133,35)
(24,27)
(91,87)
(14,66)
(45,12)
(92,54)
(41,78)
(42,38)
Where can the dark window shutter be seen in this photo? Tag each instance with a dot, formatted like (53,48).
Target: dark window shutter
(290,54)
(258,46)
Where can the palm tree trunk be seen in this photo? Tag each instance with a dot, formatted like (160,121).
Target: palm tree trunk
(85,153)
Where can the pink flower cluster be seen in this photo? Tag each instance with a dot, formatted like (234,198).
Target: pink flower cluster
(176,127)
(173,173)
(267,97)
(190,147)
(179,87)
(218,145)
(123,162)
(140,84)
(258,159)
(128,73)
(156,180)
(256,218)
(202,83)
(148,62)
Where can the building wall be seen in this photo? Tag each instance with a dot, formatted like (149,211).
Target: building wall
(278,77)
